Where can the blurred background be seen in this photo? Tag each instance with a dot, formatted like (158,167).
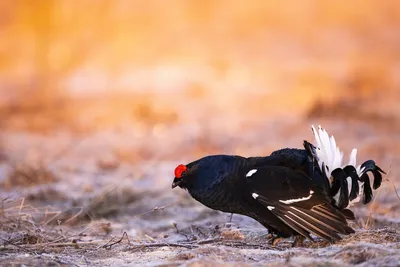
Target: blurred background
(104,63)
(99,93)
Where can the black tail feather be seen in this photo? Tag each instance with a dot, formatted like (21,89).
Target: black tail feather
(335,186)
(339,175)
(370,166)
(355,188)
(367,197)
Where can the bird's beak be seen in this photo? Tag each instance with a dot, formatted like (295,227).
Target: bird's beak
(176,182)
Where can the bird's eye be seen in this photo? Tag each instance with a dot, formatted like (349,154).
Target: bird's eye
(179,170)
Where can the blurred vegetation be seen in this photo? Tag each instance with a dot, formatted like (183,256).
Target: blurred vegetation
(216,51)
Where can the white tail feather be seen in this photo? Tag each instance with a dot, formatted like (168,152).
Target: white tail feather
(327,151)
(331,157)
(353,157)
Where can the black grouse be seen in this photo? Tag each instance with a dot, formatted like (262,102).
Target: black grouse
(292,192)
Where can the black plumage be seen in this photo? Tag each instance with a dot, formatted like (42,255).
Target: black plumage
(288,192)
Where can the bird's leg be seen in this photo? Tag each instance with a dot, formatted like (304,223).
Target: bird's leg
(276,240)
(298,241)
(269,236)
(230,219)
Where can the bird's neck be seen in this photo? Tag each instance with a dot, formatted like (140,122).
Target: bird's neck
(221,188)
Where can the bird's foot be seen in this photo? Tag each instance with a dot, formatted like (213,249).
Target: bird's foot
(298,241)
(275,240)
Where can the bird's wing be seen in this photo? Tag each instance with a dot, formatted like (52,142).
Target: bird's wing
(293,158)
(297,201)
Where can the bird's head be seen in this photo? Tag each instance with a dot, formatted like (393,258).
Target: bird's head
(186,175)
(181,171)
(203,172)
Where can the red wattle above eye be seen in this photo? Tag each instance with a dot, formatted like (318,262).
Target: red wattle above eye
(179,170)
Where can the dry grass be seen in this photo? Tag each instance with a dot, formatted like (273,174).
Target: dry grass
(23,175)
(28,229)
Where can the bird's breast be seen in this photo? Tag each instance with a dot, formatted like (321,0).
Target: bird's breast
(221,196)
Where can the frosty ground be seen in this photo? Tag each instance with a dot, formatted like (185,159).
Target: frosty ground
(104,197)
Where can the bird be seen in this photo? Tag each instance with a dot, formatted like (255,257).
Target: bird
(292,192)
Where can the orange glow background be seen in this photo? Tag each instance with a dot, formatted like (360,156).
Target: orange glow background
(95,63)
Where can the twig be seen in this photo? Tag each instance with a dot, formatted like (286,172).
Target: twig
(75,216)
(395,190)
(370,209)
(21,206)
(200,231)
(66,237)
(151,238)
(72,244)
(376,196)
(163,245)
(208,241)
(108,245)
(155,209)
(64,244)
(179,232)
(2,213)
(57,214)
(8,242)
(64,151)
(243,244)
